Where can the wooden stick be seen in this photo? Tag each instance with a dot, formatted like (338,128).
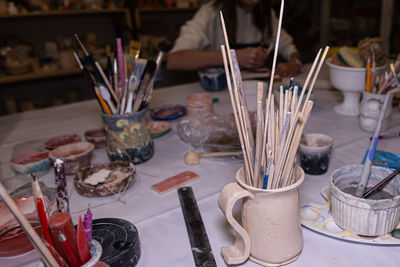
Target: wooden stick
(263,156)
(278,35)
(36,241)
(259,130)
(236,116)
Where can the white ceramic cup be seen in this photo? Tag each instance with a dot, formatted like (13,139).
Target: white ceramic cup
(371,105)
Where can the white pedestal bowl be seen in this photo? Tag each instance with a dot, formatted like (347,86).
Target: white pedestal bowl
(351,82)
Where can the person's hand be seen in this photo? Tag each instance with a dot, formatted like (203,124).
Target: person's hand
(289,68)
(252,57)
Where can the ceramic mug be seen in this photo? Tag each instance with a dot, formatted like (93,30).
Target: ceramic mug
(127,137)
(371,105)
(270,233)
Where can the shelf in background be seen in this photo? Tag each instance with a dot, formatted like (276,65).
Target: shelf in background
(53,13)
(37,75)
(164,9)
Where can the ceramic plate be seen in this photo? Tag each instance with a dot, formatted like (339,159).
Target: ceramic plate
(318,218)
(168,112)
(158,128)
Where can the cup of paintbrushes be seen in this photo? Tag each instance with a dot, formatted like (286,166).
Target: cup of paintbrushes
(270,233)
(371,105)
(127,137)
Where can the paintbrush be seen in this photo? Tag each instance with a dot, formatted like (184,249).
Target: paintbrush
(381,184)
(368,162)
(373,73)
(90,79)
(395,75)
(139,65)
(147,74)
(368,75)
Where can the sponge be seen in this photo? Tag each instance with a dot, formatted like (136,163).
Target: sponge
(351,57)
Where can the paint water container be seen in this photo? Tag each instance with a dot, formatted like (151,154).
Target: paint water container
(315,151)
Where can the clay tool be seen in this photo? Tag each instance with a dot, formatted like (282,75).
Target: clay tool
(87,224)
(34,238)
(38,197)
(174,181)
(193,158)
(82,243)
(200,245)
(381,183)
(105,94)
(368,162)
(69,253)
(61,186)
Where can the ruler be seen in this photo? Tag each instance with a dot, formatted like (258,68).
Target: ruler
(201,249)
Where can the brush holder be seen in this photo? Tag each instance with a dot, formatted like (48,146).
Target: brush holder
(127,137)
(371,106)
(270,233)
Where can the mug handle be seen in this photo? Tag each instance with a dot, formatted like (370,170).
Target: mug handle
(240,251)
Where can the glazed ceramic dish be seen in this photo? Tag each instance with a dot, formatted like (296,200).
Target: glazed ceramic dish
(106,179)
(96,137)
(168,112)
(13,241)
(158,128)
(60,140)
(318,218)
(31,162)
(75,155)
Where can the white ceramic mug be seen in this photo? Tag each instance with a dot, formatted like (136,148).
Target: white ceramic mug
(270,233)
(370,110)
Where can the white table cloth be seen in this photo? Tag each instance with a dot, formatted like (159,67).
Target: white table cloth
(159,219)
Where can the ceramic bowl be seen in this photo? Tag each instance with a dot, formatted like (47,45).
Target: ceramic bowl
(96,137)
(367,217)
(351,82)
(60,140)
(31,162)
(105,179)
(13,240)
(75,155)
(158,128)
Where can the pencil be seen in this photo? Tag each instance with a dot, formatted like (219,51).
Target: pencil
(368,75)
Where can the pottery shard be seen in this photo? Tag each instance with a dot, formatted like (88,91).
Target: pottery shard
(174,181)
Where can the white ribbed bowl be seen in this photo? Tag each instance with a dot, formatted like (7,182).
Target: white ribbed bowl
(364,216)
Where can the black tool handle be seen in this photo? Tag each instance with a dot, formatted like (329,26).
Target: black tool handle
(201,249)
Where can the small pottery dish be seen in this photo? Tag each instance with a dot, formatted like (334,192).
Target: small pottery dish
(158,128)
(31,162)
(96,137)
(106,179)
(60,140)
(13,240)
(75,155)
(168,112)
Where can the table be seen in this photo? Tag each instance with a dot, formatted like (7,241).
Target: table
(162,231)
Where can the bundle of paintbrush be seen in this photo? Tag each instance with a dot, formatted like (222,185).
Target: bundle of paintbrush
(269,160)
(382,84)
(127,84)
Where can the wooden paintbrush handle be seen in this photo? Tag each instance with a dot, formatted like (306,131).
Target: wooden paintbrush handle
(220,154)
